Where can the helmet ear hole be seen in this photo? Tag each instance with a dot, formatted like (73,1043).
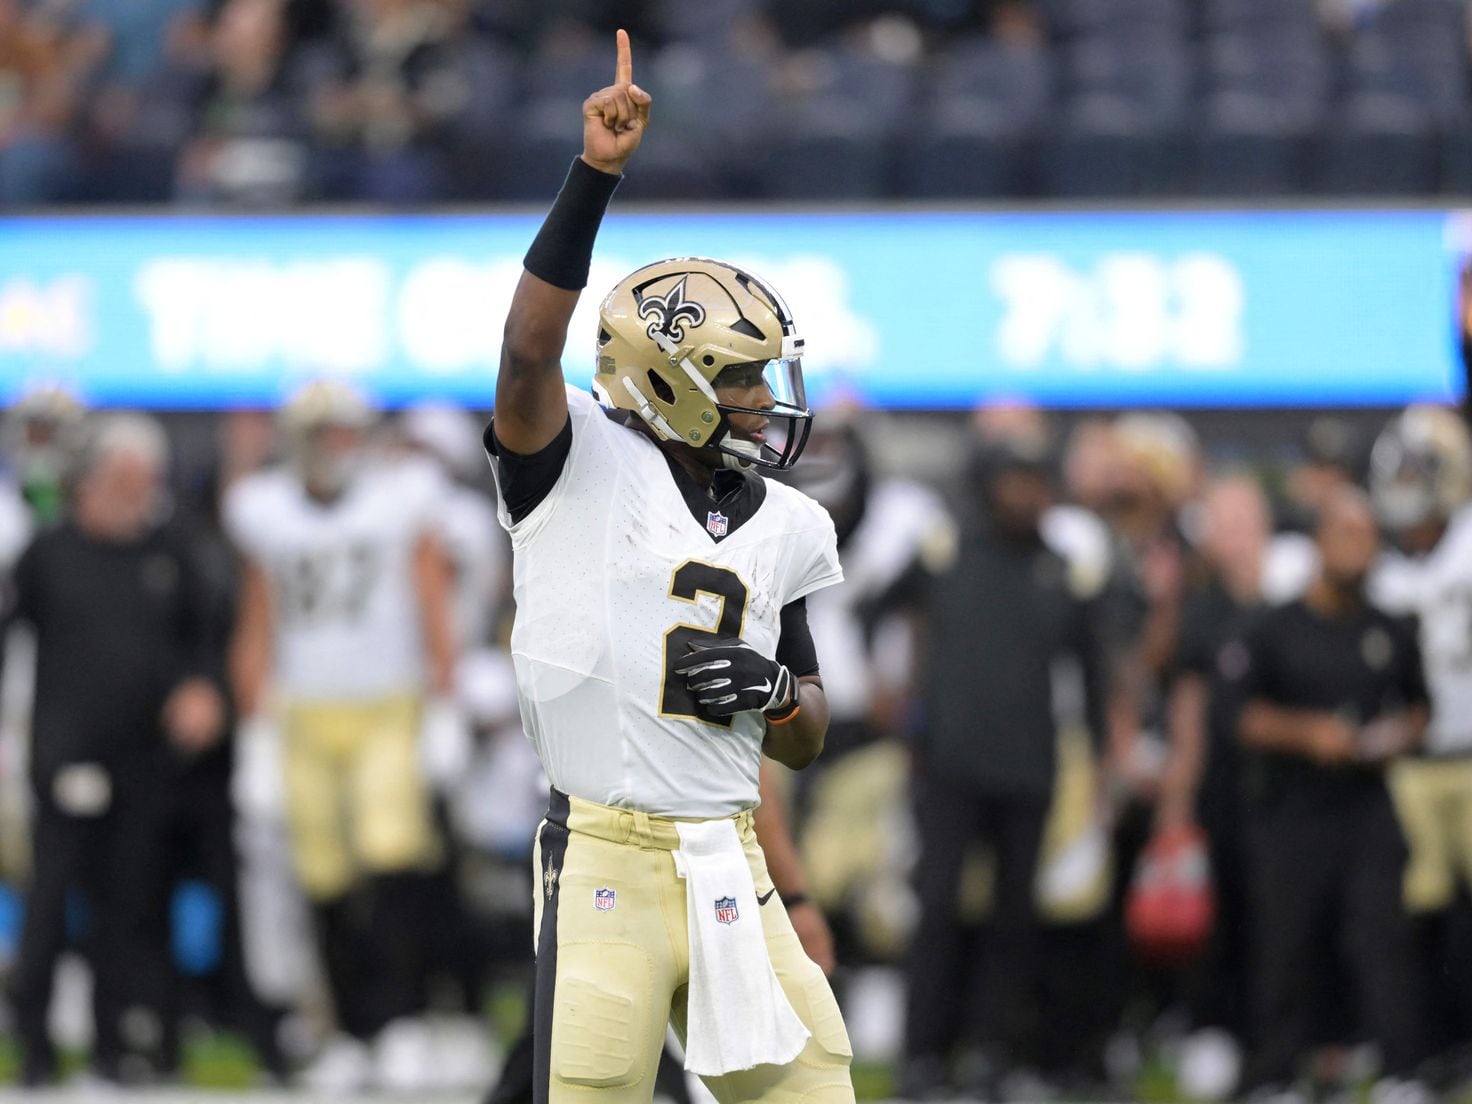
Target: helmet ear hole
(662,390)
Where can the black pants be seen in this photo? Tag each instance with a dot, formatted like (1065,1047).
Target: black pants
(1330,878)
(1217,988)
(102,862)
(943,995)
(201,845)
(372,947)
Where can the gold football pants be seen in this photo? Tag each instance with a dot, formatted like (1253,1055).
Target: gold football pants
(1434,800)
(613,961)
(356,799)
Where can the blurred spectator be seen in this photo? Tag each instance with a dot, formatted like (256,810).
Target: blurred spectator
(39,101)
(1333,693)
(392,93)
(128,684)
(1000,614)
(248,144)
(133,36)
(342,659)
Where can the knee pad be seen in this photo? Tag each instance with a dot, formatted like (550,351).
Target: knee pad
(604,1033)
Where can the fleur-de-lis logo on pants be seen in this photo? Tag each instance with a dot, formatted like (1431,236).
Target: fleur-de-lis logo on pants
(669,313)
(549,881)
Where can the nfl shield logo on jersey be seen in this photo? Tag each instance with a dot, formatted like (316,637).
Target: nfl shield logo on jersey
(726,910)
(717,523)
(604,899)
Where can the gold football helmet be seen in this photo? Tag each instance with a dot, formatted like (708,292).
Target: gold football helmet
(1420,467)
(672,333)
(326,461)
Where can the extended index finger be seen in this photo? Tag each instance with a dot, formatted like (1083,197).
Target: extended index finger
(623,72)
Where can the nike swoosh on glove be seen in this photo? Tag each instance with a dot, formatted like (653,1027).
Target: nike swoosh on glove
(730,676)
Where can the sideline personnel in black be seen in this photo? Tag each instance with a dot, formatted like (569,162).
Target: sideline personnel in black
(1333,691)
(1001,615)
(127,676)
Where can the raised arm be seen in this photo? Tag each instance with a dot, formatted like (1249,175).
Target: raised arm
(531,404)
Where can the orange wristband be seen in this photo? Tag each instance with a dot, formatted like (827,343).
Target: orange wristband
(793,712)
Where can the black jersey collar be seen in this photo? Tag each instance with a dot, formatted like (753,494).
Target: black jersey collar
(733,499)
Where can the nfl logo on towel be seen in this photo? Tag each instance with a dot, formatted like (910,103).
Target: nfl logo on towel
(604,899)
(716,522)
(726,910)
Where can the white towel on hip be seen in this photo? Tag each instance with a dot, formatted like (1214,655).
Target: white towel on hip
(738,1015)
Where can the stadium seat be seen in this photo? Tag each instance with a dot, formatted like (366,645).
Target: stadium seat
(1259,15)
(1455,177)
(1289,76)
(557,75)
(1151,73)
(1383,144)
(1107,147)
(1120,18)
(1247,145)
(1424,63)
(1017,79)
(967,149)
(983,102)
(706,23)
(838,137)
(534,158)
(829,150)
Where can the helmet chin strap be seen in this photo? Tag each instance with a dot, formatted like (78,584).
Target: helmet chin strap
(732,462)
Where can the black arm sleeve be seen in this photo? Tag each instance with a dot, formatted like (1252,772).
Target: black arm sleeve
(525,481)
(795,649)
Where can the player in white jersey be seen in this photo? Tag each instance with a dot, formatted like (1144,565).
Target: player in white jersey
(1421,483)
(660,648)
(467,519)
(344,636)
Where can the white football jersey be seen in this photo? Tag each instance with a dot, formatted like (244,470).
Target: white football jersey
(613,574)
(1437,588)
(897,516)
(347,616)
(476,549)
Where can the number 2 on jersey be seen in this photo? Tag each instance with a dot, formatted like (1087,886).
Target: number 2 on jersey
(690,580)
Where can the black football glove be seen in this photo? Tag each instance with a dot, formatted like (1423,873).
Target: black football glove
(730,676)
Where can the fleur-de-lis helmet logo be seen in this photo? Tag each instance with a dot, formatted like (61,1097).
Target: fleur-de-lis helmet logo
(670,312)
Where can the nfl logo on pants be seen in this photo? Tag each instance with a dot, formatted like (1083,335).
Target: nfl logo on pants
(604,899)
(726,910)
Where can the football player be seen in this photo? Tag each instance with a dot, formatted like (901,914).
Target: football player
(661,648)
(344,641)
(1421,484)
(474,546)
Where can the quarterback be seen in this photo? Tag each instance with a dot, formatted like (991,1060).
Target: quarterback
(661,647)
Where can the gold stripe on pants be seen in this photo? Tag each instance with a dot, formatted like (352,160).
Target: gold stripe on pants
(613,963)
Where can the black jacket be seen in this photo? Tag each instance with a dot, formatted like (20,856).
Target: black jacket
(118,626)
(1003,621)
